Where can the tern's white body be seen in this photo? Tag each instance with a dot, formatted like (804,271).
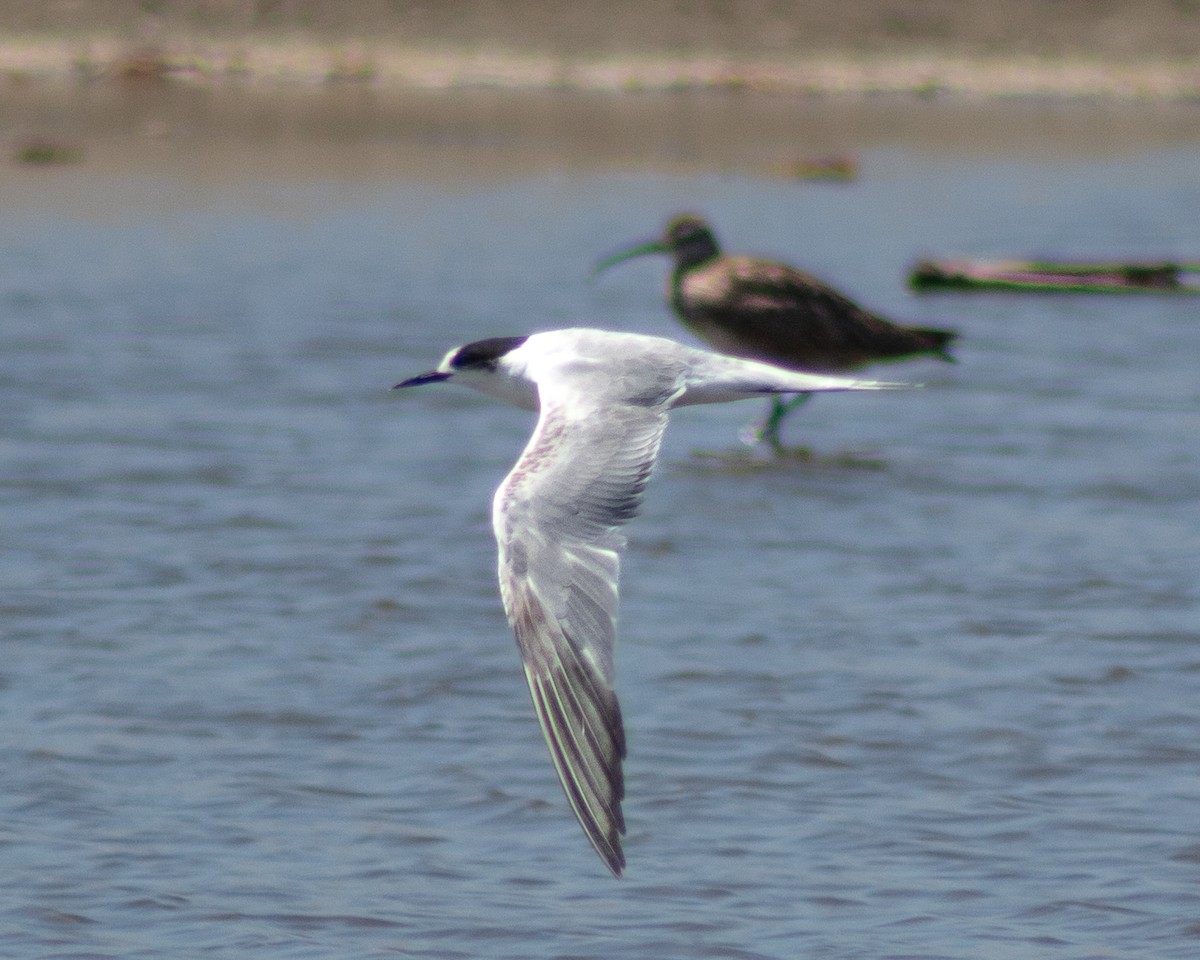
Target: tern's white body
(603,400)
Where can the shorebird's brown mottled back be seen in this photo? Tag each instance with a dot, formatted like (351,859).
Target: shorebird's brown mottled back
(763,310)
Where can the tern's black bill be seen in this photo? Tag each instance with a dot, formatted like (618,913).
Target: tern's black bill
(433,376)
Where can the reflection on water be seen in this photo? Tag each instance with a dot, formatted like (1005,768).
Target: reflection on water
(928,692)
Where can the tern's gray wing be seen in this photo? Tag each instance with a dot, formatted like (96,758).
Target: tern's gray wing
(556,519)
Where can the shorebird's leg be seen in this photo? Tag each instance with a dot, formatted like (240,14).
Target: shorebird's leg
(768,431)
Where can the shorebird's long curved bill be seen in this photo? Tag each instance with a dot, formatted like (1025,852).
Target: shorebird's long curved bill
(640,250)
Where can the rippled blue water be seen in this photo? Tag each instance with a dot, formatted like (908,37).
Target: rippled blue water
(931,692)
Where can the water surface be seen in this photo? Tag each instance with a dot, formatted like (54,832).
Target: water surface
(929,691)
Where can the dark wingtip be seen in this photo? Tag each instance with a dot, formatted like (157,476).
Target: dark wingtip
(617,864)
(609,848)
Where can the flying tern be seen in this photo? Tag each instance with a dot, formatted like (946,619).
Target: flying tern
(602,400)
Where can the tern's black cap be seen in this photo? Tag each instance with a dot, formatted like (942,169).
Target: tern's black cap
(483,354)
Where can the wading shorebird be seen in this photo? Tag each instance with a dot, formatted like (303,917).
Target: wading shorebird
(602,400)
(768,311)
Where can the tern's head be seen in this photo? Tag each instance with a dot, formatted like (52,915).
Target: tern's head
(483,366)
(688,238)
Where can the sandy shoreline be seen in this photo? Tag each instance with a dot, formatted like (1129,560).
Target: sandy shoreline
(1117,49)
(298,61)
(185,99)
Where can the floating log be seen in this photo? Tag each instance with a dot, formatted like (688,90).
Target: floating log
(1046,276)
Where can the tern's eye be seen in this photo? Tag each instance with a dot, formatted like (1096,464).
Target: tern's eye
(483,354)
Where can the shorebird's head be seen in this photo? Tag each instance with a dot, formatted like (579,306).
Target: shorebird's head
(688,238)
(691,239)
(486,366)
